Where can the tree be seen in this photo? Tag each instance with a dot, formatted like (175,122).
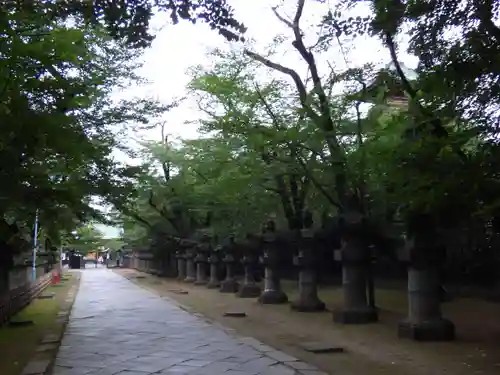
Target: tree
(444,127)
(85,239)
(262,123)
(349,198)
(206,176)
(287,144)
(129,20)
(59,122)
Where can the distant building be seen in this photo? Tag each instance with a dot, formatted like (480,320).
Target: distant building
(386,87)
(93,255)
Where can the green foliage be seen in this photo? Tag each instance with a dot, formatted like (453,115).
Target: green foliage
(85,239)
(129,20)
(437,151)
(59,122)
(268,148)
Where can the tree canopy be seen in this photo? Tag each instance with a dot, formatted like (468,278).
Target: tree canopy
(129,20)
(274,147)
(61,123)
(273,143)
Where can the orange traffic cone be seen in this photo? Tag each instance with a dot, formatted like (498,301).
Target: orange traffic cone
(56,277)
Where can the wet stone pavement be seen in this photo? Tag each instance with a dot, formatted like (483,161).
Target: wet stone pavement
(116,327)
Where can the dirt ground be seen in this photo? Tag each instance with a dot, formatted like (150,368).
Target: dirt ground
(369,349)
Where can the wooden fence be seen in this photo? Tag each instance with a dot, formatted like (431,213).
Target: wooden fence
(22,290)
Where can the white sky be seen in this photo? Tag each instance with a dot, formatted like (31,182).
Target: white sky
(177,47)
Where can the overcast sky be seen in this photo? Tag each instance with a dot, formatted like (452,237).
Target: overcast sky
(178,47)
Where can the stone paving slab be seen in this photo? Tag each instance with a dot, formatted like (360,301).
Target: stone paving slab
(118,328)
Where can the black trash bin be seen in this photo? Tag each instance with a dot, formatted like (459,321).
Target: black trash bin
(75,261)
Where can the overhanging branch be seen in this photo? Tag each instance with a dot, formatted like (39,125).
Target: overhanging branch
(301,88)
(438,128)
(136,217)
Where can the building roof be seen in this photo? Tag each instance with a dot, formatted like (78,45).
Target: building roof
(387,77)
(409,73)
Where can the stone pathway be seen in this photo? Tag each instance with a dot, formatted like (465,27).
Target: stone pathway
(116,327)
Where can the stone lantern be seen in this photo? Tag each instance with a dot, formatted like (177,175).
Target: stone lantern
(229,285)
(306,260)
(272,293)
(201,260)
(181,263)
(189,255)
(249,289)
(356,258)
(214,260)
(422,253)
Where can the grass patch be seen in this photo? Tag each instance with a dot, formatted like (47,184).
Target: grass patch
(18,344)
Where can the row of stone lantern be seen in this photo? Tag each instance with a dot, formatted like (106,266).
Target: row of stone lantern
(424,322)
(198,262)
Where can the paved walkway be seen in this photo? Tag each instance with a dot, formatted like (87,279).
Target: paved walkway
(116,327)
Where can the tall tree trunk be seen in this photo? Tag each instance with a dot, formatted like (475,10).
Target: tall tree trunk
(4,279)
(356,309)
(6,263)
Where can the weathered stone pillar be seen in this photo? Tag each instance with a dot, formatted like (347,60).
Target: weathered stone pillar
(306,260)
(190,267)
(355,262)
(203,248)
(356,257)
(201,267)
(272,293)
(213,260)
(422,251)
(249,289)
(229,285)
(181,265)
